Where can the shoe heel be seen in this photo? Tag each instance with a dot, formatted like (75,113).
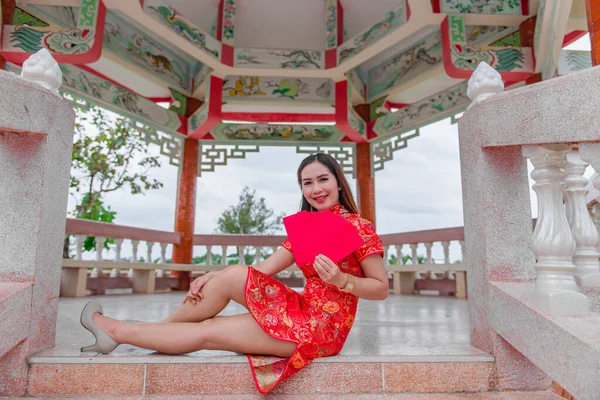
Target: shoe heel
(95,348)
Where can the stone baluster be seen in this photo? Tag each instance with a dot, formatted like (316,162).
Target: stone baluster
(241,252)
(163,259)
(257,254)
(415,259)
(97,271)
(144,280)
(429,259)
(223,255)
(134,257)
(446,247)
(398,248)
(587,264)
(595,213)
(79,240)
(209,255)
(555,287)
(116,271)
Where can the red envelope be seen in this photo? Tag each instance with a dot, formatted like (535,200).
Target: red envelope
(314,233)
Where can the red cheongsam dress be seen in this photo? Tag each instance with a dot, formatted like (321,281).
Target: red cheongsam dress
(318,320)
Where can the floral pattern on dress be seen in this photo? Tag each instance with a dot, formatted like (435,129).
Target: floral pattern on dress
(318,320)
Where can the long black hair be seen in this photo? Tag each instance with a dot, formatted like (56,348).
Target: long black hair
(345,194)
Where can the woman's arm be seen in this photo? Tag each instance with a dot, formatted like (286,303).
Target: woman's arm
(276,263)
(375,284)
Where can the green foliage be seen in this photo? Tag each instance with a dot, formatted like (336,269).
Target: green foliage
(405,260)
(106,150)
(251,216)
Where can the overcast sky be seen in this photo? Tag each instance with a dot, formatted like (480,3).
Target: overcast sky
(419,189)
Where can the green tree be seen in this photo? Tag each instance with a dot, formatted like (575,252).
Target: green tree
(251,216)
(109,153)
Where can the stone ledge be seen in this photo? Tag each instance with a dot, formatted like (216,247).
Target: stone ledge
(566,349)
(241,359)
(559,110)
(21,97)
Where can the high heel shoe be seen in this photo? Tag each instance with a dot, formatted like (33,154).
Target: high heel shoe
(104,343)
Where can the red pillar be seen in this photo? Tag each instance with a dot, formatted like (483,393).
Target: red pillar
(186,210)
(365,182)
(592,8)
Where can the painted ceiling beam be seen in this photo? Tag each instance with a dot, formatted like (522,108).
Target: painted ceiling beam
(226,30)
(433,108)
(84,83)
(515,7)
(270,117)
(346,118)
(334,31)
(82,45)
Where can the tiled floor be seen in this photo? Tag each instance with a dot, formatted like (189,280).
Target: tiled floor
(401,326)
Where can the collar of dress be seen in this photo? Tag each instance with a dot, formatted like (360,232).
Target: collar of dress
(338,209)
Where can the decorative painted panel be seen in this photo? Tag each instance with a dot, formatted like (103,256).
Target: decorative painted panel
(461,59)
(201,76)
(143,49)
(331,24)
(356,44)
(269,58)
(355,121)
(67,42)
(277,132)
(198,118)
(106,94)
(504,7)
(357,83)
(434,108)
(483,34)
(571,61)
(275,89)
(412,61)
(88,10)
(169,17)
(228,32)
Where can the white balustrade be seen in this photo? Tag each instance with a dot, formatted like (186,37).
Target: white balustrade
(582,226)
(555,288)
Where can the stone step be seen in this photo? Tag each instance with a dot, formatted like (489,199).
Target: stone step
(543,395)
(154,375)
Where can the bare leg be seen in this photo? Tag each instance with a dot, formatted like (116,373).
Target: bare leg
(229,284)
(239,333)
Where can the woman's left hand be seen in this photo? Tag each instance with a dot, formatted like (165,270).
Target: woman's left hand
(329,272)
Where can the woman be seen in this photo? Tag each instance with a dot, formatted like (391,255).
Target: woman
(290,328)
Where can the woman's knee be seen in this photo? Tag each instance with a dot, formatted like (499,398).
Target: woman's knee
(234,273)
(233,278)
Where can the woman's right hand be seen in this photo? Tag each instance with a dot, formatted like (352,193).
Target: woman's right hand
(194,295)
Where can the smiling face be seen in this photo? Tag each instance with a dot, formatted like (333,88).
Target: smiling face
(319,186)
